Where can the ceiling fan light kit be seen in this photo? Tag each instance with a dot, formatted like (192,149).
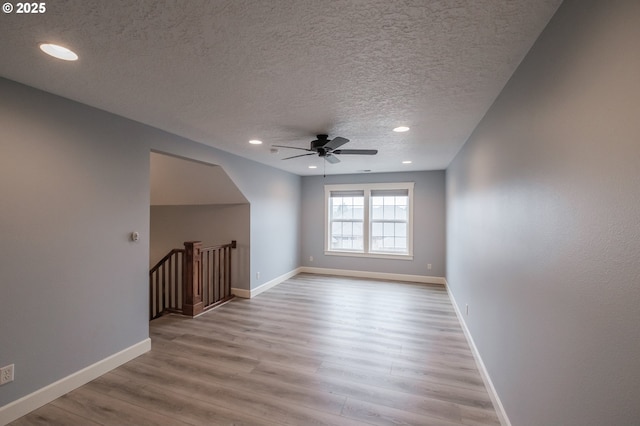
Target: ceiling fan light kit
(328,149)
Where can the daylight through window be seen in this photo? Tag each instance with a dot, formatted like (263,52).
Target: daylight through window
(370,219)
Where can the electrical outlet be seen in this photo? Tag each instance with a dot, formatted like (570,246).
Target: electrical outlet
(6,374)
(467,309)
(310,258)
(429,266)
(257,275)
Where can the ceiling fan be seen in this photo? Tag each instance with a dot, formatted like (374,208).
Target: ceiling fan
(326,148)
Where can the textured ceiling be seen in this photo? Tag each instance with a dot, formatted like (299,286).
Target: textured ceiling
(224,72)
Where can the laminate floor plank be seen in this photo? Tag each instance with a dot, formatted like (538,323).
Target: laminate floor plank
(165,401)
(382,415)
(417,404)
(107,410)
(446,392)
(50,415)
(313,350)
(180,380)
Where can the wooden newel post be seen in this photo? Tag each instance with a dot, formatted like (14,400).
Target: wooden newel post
(192,300)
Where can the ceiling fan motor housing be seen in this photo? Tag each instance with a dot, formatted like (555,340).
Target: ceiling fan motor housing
(319,143)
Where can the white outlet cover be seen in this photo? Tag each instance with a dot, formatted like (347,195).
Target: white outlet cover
(6,374)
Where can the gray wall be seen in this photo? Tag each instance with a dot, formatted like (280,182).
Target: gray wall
(171,226)
(274,197)
(74,182)
(429,224)
(543,224)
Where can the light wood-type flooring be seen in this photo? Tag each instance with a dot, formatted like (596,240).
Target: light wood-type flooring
(314,350)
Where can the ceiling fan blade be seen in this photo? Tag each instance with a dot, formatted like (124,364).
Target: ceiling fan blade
(356,151)
(292,147)
(301,155)
(332,159)
(335,143)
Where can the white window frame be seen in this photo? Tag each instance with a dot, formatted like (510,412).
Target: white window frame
(367,188)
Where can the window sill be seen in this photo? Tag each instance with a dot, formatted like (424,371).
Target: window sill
(370,255)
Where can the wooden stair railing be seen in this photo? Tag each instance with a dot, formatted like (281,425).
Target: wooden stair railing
(166,284)
(191,280)
(216,274)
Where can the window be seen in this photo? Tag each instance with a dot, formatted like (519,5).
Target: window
(373,220)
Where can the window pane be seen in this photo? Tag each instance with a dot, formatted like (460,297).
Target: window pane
(357,243)
(347,229)
(336,234)
(401,244)
(376,212)
(336,228)
(376,229)
(388,211)
(401,212)
(376,243)
(357,229)
(400,230)
(346,210)
(358,212)
(336,208)
(388,230)
(347,235)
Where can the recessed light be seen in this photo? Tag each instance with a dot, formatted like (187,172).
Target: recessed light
(406,162)
(255,142)
(401,129)
(313,167)
(58,52)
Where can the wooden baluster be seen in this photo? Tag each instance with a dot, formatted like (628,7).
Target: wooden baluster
(234,244)
(211,277)
(192,302)
(150,296)
(179,277)
(227,287)
(217,275)
(157,299)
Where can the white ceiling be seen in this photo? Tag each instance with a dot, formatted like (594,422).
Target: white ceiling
(224,72)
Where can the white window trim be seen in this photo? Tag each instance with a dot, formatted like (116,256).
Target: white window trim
(367,188)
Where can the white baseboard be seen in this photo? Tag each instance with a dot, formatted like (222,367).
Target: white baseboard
(37,399)
(495,399)
(241,292)
(374,275)
(248,294)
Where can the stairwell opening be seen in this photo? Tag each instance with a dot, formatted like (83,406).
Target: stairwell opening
(195,201)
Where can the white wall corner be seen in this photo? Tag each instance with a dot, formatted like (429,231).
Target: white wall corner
(493,394)
(424,279)
(45,395)
(248,294)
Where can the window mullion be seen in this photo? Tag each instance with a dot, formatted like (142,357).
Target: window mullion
(366,228)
